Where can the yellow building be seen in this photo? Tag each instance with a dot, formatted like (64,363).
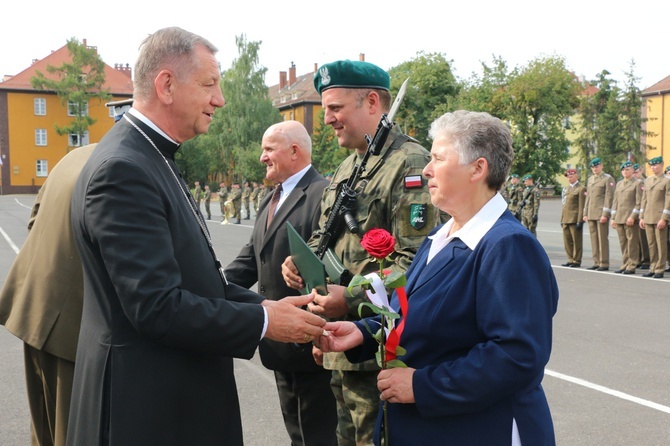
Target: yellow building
(29,144)
(656,110)
(296,98)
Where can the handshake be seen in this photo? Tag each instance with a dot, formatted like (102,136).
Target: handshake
(288,322)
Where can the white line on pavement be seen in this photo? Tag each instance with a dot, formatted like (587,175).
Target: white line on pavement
(608,391)
(9,241)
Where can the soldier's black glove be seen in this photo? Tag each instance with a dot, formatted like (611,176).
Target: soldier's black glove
(534,218)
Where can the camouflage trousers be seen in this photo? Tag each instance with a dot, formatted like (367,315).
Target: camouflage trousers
(357,399)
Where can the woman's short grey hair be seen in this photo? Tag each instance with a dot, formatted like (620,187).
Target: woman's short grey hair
(170,48)
(478,135)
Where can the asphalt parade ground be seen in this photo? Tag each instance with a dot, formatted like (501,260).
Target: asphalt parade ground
(608,380)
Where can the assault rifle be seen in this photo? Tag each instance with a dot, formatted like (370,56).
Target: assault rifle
(341,214)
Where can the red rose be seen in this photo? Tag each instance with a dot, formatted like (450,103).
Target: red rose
(379,243)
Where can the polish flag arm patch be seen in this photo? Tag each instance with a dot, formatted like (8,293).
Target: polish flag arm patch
(413,181)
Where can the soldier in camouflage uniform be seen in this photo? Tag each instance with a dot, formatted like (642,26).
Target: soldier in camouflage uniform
(253,197)
(197,194)
(262,192)
(531,204)
(223,196)
(246,192)
(514,195)
(393,196)
(235,196)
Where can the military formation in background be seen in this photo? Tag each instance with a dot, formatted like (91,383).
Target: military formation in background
(637,208)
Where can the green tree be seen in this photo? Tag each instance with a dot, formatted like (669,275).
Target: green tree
(326,152)
(631,118)
(598,132)
(431,84)
(76,83)
(537,101)
(237,129)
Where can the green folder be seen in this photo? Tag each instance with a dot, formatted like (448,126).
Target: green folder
(310,267)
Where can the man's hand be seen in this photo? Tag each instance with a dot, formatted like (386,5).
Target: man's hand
(396,385)
(661,224)
(289,323)
(642,223)
(332,305)
(291,274)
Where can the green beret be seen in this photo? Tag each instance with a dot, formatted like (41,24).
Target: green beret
(351,74)
(527,177)
(626,164)
(595,162)
(655,160)
(636,167)
(667,169)
(514,175)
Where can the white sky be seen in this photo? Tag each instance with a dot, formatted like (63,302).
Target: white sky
(590,35)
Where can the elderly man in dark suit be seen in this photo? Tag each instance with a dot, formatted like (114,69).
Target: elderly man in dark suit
(161,324)
(307,403)
(41,301)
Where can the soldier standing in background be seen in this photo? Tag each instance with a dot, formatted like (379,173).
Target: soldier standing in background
(208,199)
(531,204)
(253,197)
(573,198)
(514,195)
(625,215)
(262,191)
(223,195)
(246,192)
(597,211)
(654,217)
(236,197)
(644,245)
(197,194)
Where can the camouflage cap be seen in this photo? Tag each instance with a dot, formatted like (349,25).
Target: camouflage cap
(655,160)
(626,164)
(595,162)
(351,74)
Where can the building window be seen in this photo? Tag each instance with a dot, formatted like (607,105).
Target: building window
(73,108)
(78,140)
(40,137)
(40,105)
(42,168)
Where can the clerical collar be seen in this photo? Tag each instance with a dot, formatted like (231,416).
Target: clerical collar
(153,126)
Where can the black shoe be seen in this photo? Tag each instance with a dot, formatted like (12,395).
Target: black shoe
(648,275)
(629,271)
(619,271)
(238,222)
(658,276)
(566,264)
(575,265)
(603,268)
(593,268)
(643,266)
(667,270)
